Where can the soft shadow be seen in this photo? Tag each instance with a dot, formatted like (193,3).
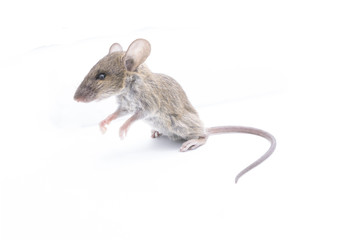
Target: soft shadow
(148,148)
(164,143)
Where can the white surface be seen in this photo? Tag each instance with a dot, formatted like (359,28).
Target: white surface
(288,68)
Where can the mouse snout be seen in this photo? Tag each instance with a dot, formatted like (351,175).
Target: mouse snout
(80,97)
(84,94)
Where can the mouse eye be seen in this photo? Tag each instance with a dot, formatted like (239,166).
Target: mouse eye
(101,76)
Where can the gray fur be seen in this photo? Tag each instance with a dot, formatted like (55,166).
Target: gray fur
(156,98)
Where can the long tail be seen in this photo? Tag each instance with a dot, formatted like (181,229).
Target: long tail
(249,130)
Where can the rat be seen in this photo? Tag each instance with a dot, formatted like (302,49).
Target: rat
(154,97)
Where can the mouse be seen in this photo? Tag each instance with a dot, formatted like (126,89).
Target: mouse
(156,98)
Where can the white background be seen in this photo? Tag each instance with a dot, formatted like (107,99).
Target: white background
(288,67)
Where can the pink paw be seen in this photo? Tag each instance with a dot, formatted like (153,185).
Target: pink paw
(123,132)
(102,126)
(155,134)
(192,144)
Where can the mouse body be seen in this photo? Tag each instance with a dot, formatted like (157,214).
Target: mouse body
(156,98)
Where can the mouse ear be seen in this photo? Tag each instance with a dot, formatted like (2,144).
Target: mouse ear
(136,54)
(115,48)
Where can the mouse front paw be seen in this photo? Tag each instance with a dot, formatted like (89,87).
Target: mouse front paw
(102,126)
(123,132)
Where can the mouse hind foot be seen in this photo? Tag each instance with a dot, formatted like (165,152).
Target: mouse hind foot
(155,134)
(192,144)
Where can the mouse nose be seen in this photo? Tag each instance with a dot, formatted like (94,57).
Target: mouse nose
(81,99)
(83,96)
(78,99)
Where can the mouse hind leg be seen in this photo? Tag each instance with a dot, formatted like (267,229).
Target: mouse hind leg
(193,144)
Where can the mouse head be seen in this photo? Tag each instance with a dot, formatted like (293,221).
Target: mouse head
(108,76)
